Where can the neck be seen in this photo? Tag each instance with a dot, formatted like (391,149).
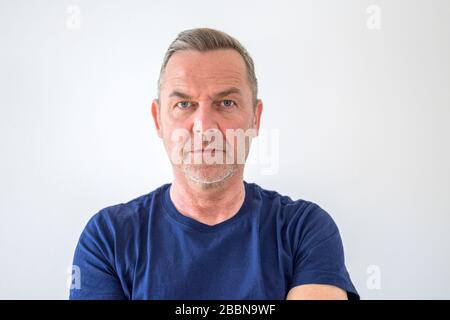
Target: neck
(208,205)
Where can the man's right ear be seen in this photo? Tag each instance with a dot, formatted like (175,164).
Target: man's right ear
(156,116)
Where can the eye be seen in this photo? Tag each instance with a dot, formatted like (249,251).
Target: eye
(227,103)
(183,104)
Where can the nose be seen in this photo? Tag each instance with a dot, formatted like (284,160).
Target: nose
(204,119)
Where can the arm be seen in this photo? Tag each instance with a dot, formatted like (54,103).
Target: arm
(319,266)
(316,292)
(94,256)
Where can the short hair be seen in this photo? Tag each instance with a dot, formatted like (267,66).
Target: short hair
(206,39)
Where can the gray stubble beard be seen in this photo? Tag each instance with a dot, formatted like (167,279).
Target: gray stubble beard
(189,172)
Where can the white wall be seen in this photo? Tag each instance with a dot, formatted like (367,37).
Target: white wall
(363,116)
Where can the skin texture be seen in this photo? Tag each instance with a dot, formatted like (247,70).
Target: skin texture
(201,93)
(316,292)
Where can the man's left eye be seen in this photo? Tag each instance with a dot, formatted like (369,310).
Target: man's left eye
(227,103)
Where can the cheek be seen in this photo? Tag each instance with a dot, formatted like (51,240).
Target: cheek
(239,138)
(172,129)
(175,142)
(176,138)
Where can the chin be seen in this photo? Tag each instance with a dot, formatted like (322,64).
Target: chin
(208,176)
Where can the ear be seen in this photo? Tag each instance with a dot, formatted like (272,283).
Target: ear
(156,113)
(257,115)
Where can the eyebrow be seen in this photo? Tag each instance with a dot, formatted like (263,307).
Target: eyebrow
(221,94)
(181,95)
(228,92)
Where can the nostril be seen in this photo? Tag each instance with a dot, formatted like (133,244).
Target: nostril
(198,125)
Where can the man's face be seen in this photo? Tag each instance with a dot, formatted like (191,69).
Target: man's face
(205,97)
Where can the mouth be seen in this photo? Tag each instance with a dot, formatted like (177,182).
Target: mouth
(206,150)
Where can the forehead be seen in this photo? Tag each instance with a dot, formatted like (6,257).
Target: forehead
(199,70)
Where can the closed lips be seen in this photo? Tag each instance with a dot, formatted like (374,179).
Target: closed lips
(206,150)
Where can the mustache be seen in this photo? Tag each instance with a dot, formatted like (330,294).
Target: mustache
(205,143)
(206,147)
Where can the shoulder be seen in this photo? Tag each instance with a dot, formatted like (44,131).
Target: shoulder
(125,216)
(284,208)
(297,221)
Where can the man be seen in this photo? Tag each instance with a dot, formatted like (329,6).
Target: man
(210,234)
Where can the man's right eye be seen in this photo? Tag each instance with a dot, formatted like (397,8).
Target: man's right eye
(183,104)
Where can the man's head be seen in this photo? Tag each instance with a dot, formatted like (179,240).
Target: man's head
(207,89)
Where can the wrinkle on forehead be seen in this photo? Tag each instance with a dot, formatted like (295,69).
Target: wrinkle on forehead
(195,80)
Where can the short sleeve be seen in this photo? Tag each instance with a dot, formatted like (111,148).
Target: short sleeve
(319,254)
(94,261)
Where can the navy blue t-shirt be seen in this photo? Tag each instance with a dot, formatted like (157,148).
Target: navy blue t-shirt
(147,249)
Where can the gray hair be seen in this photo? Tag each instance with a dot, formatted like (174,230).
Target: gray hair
(205,39)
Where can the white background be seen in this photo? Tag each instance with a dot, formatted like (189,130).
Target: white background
(363,116)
